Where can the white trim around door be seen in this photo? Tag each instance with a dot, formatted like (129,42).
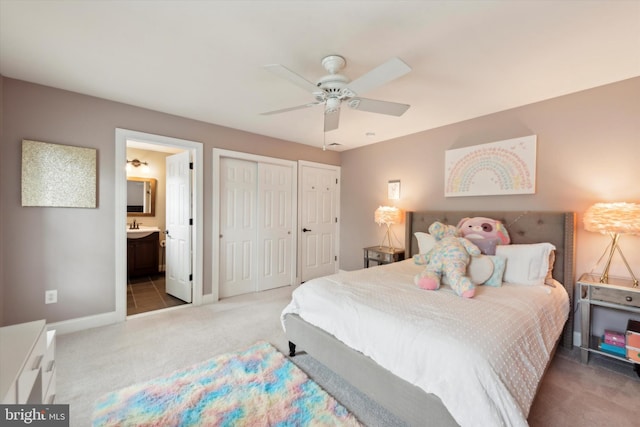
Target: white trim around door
(122,136)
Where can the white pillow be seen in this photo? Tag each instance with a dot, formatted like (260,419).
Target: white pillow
(479,270)
(527,264)
(425,241)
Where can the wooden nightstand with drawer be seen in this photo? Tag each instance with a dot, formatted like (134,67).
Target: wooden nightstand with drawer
(618,294)
(382,255)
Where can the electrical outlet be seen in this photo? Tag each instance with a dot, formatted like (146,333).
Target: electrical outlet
(51,297)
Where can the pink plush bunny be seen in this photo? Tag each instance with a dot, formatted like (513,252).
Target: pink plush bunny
(486,233)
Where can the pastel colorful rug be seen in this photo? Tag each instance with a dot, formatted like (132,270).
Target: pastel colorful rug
(255,387)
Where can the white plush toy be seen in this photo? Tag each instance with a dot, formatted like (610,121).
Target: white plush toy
(449,257)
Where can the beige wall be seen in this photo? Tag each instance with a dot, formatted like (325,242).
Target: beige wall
(588,151)
(73,250)
(1,206)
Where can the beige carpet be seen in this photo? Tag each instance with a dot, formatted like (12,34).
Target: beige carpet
(93,362)
(602,393)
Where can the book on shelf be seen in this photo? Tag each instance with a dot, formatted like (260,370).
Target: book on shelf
(614,338)
(612,348)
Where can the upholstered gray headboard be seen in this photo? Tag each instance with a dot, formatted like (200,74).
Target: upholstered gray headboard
(557,228)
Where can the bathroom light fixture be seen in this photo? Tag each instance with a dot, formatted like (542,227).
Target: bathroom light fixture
(387,215)
(614,219)
(137,163)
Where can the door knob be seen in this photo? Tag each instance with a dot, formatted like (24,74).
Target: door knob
(304,230)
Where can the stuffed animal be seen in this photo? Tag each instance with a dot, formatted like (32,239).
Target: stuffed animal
(485,233)
(449,257)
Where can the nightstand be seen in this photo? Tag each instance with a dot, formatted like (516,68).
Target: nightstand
(619,294)
(382,255)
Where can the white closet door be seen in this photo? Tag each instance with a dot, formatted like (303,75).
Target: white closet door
(274,226)
(238,226)
(319,189)
(256,231)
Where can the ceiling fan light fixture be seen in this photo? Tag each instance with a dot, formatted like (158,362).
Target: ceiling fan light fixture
(333,82)
(332,105)
(330,90)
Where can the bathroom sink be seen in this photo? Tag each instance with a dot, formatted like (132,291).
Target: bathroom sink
(141,232)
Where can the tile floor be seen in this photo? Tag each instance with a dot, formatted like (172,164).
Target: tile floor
(148,293)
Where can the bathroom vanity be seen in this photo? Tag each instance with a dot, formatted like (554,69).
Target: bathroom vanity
(142,253)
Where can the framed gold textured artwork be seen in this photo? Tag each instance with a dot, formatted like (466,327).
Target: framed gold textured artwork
(55,175)
(497,168)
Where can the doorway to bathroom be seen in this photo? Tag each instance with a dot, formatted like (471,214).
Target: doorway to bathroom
(157,274)
(160,200)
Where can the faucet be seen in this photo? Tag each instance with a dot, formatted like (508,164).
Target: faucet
(134,225)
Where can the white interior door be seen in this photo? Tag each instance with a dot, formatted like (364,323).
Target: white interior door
(178,226)
(238,226)
(274,231)
(318,220)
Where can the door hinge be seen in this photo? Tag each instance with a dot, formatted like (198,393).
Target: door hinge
(335,258)
(191,277)
(336,220)
(336,180)
(190,221)
(191,165)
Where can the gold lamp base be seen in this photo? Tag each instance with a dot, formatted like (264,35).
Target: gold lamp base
(604,278)
(387,236)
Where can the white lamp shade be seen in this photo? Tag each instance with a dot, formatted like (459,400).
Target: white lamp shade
(387,215)
(620,218)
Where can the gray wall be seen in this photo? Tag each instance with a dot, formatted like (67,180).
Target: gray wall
(73,250)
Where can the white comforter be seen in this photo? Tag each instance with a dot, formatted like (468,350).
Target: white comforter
(483,357)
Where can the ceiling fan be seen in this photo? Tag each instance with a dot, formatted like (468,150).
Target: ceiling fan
(334,88)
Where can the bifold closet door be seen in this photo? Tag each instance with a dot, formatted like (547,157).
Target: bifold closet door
(256,235)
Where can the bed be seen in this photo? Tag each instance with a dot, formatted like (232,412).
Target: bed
(392,345)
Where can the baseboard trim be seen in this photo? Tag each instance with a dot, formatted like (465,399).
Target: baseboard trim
(104,319)
(82,323)
(577,339)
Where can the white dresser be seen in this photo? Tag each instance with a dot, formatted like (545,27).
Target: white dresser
(27,363)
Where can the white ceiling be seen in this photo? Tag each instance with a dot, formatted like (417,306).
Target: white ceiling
(204,59)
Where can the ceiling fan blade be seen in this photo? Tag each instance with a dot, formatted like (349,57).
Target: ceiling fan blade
(390,70)
(284,110)
(380,107)
(331,120)
(294,78)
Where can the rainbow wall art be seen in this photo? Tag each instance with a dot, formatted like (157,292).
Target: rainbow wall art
(497,168)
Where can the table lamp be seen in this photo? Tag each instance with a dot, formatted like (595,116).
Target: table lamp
(614,219)
(387,215)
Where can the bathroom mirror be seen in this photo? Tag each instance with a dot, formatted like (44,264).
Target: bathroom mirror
(141,196)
